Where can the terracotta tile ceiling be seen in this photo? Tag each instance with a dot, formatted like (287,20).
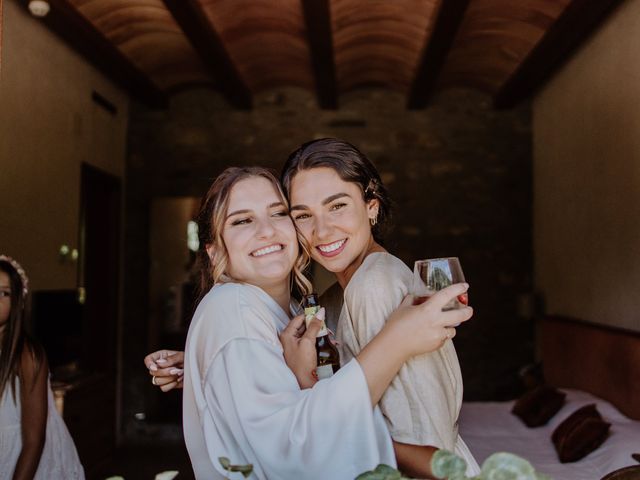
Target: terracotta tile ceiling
(329,47)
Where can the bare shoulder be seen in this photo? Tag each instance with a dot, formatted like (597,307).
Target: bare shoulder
(33,363)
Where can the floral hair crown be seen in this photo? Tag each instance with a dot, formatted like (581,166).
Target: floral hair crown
(18,268)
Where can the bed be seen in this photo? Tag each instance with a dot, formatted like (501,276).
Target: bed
(592,364)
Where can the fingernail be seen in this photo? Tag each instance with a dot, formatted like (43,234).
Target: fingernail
(161,360)
(321,314)
(175,371)
(153,367)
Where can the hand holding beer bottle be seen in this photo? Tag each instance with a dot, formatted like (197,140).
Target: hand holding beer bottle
(328,359)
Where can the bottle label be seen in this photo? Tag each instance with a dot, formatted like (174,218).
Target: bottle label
(309,313)
(324,371)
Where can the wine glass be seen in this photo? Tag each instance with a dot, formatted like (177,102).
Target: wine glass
(434,274)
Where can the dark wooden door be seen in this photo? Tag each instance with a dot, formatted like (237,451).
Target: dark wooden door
(90,410)
(99,266)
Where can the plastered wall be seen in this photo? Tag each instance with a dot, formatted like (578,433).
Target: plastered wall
(586,129)
(49,125)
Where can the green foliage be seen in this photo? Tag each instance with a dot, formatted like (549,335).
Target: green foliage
(506,466)
(167,475)
(245,470)
(445,464)
(381,472)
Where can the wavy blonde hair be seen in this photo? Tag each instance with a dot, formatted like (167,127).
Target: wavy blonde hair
(211,219)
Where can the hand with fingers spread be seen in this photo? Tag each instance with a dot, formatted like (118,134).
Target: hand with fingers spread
(299,345)
(166,368)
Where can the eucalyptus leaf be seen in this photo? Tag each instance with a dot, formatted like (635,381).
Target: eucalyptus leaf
(507,466)
(445,464)
(499,466)
(370,475)
(245,470)
(167,475)
(381,472)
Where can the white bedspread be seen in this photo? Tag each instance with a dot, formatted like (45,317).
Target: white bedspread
(489,427)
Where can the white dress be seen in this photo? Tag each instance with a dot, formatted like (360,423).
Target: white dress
(241,401)
(422,403)
(59,458)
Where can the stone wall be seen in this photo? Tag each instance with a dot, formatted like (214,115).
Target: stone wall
(459,172)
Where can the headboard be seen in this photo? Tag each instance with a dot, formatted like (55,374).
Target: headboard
(603,361)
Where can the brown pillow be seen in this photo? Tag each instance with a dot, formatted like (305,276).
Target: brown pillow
(536,407)
(573,420)
(580,434)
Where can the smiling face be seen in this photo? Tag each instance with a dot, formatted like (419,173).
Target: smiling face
(333,217)
(259,235)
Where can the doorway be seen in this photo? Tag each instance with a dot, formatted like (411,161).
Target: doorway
(95,398)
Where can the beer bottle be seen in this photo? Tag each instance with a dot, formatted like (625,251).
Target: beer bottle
(328,359)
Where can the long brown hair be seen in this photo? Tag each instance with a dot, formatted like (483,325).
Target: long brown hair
(15,339)
(213,211)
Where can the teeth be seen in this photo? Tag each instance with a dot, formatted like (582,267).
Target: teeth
(264,251)
(331,247)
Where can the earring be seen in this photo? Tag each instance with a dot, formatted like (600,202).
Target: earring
(373,220)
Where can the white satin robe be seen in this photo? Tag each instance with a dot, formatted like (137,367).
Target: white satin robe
(241,401)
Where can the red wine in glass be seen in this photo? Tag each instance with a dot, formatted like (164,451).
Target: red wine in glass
(434,274)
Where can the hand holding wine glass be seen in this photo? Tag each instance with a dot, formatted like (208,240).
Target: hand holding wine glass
(434,274)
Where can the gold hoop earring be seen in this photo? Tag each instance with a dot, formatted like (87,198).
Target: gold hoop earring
(373,220)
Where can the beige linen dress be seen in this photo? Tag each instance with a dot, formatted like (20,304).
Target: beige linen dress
(422,404)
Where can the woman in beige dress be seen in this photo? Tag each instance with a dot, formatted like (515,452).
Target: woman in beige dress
(341,207)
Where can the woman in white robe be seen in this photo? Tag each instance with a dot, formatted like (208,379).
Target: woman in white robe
(241,399)
(340,206)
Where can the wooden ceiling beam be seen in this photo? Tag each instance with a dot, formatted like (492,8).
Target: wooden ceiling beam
(435,51)
(317,18)
(66,22)
(195,24)
(578,21)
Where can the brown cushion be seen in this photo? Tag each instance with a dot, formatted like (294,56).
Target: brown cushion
(536,407)
(569,423)
(580,434)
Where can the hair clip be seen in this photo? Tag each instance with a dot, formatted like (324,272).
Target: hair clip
(371,187)
(18,268)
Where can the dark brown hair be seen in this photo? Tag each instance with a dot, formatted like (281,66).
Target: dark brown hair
(211,218)
(351,165)
(15,338)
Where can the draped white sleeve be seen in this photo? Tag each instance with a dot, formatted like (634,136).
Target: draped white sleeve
(241,401)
